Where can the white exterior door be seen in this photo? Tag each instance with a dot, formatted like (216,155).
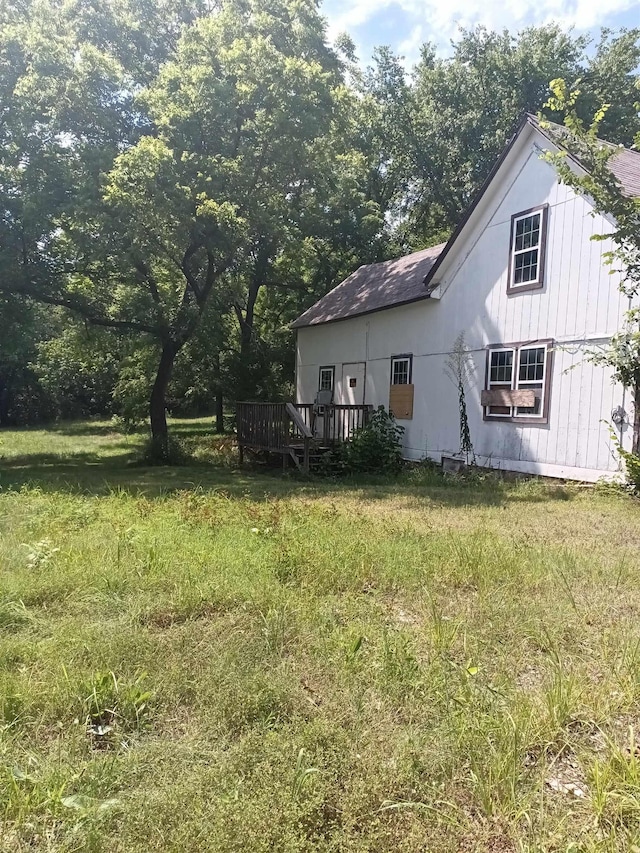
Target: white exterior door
(350,390)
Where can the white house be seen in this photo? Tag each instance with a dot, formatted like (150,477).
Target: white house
(522,279)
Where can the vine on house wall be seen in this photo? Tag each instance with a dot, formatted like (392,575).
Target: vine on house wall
(459,368)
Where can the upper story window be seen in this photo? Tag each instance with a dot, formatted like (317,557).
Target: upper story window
(326,378)
(528,240)
(401,370)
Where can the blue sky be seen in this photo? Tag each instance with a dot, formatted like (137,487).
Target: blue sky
(405,24)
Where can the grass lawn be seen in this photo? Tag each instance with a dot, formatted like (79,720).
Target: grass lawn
(208,659)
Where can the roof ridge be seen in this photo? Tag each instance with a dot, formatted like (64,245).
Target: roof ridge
(407,278)
(616,145)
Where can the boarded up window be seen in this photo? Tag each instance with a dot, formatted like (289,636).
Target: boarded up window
(518,382)
(401,390)
(401,401)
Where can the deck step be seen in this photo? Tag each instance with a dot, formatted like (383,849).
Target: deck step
(315,455)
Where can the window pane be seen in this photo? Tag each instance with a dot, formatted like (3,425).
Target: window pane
(400,371)
(531,365)
(536,409)
(525,267)
(527,232)
(501,368)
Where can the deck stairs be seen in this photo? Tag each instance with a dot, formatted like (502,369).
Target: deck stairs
(295,452)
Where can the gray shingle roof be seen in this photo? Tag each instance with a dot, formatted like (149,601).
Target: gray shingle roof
(373,287)
(625,165)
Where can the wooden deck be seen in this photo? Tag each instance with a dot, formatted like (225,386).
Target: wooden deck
(299,432)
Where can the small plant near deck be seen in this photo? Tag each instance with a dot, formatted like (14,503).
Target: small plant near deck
(376,447)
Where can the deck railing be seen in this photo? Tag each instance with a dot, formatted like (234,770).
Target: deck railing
(274,427)
(263,426)
(334,423)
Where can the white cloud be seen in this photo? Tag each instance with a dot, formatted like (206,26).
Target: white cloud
(438,21)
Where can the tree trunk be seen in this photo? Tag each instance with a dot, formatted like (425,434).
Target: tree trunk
(246,383)
(157,404)
(219,414)
(246,322)
(4,402)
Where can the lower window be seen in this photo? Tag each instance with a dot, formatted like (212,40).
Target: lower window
(511,370)
(401,369)
(326,378)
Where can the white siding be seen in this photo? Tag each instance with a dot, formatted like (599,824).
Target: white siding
(579,307)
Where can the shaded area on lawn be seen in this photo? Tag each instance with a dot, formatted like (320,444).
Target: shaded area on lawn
(180,428)
(94,458)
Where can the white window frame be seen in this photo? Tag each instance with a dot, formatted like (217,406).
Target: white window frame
(541,386)
(540,248)
(331,370)
(500,383)
(400,358)
(526,384)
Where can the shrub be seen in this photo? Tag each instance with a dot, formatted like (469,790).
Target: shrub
(376,446)
(631,460)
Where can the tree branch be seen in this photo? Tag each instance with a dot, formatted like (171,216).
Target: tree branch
(146,273)
(78,308)
(184,266)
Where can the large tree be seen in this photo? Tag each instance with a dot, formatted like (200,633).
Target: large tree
(146,198)
(440,132)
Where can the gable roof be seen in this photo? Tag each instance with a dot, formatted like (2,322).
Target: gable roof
(374,287)
(624,162)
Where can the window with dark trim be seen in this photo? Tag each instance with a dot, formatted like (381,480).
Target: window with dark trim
(401,366)
(519,367)
(500,376)
(527,250)
(326,378)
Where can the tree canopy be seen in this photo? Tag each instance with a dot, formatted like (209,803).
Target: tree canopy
(179,179)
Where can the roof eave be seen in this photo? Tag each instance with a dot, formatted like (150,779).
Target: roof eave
(296,325)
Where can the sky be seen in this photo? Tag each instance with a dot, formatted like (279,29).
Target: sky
(405,24)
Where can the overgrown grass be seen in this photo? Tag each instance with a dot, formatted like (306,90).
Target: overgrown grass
(209,659)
